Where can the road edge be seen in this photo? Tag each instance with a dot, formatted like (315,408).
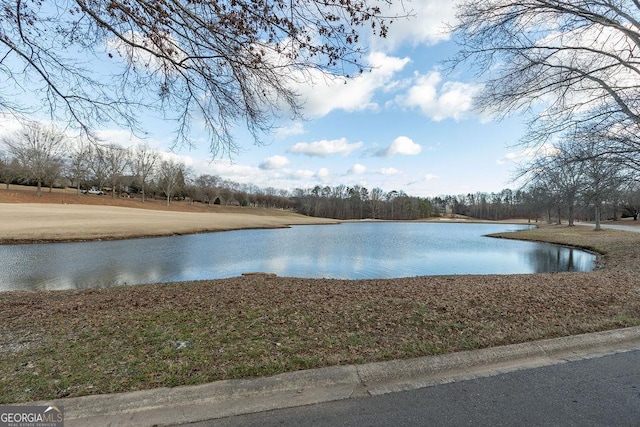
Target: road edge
(186,404)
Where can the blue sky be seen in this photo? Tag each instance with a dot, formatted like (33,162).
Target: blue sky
(406,125)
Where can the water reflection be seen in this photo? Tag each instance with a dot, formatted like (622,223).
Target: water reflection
(559,259)
(351,251)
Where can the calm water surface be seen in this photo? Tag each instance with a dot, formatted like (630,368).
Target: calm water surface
(349,251)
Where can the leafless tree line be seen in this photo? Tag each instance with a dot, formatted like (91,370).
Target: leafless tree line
(42,155)
(578,178)
(595,196)
(573,68)
(544,199)
(584,172)
(357,202)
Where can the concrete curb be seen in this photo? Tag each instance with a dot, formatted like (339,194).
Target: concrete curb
(179,405)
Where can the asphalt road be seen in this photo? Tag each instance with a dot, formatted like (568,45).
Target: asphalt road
(619,226)
(603,391)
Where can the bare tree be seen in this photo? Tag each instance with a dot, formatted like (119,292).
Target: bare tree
(633,199)
(573,64)
(117,160)
(38,149)
(222,62)
(603,173)
(375,202)
(78,164)
(143,163)
(9,170)
(560,173)
(207,186)
(53,172)
(98,167)
(170,177)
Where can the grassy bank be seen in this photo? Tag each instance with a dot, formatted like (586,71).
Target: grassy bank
(72,343)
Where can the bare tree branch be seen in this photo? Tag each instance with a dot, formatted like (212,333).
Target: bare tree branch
(216,64)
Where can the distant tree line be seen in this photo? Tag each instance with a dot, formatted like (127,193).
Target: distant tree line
(357,202)
(41,155)
(540,201)
(584,176)
(574,179)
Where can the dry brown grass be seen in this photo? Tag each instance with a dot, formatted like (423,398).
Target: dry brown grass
(64,215)
(24,194)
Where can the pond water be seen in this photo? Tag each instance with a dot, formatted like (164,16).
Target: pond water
(348,250)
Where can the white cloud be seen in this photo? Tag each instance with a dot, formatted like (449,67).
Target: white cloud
(401,145)
(431,177)
(438,100)
(427,25)
(122,137)
(301,174)
(527,153)
(243,174)
(325,147)
(323,174)
(285,178)
(8,124)
(296,128)
(274,162)
(357,169)
(325,94)
(389,171)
